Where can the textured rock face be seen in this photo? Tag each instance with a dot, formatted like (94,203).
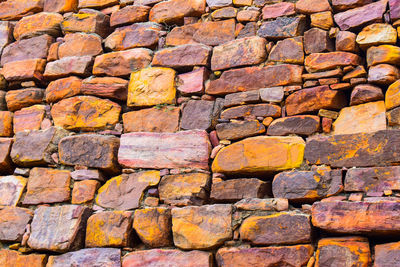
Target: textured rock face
(110,257)
(13,222)
(11,188)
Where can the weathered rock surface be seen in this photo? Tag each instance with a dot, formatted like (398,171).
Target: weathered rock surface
(300,125)
(11,189)
(237,189)
(386,254)
(13,222)
(110,257)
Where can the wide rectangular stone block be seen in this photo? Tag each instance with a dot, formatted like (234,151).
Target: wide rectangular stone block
(67,66)
(110,257)
(354,150)
(25,70)
(187,149)
(373,218)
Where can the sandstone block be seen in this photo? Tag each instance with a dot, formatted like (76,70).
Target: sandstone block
(107,87)
(183,56)
(25,70)
(364,93)
(174,11)
(377,34)
(110,257)
(80,44)
(239,130)
(283,27)
(198,114)
(316,41)
(29,118)
(300,125)
(87,21)
(63,88)
(215,32)
(11,189)
(129,14)
(16,9)
(6,164)
(277,10)
(60,6)
(84,191)
(382,54)
(6,123)
(386,254)
(13,222)
(38,24)
(326,61)
(237,189)
(77,65)
(18,99)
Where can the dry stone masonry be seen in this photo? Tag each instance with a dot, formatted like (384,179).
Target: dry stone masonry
(199,133)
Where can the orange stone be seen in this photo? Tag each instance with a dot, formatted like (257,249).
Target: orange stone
(84,191)
(77,65)
(326,61)
(183,56)
(97,4)
(322,20)
(18,99)
(60,6)
(152,120)
(312,6)
(107,87)
(215,32)
(85,113)
(389,54)
(343,251)
(136,35)
(122,63)
(129,14)
(63,88)
(392,96)
(29,118)
(182,35)
(80,44)
(47,186)
(109,229)
(11,258)
(26,70)
(6,165)
(38,24)
(16,9)
(6,123)
(173,12)
(88,21)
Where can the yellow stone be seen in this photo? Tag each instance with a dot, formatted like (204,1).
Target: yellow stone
(38,24)
(364,118)
(261,154)
(323,20)
(377,34)
(382,54)
(392,97)
(152,86)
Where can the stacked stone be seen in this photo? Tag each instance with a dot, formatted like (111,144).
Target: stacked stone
(199,133)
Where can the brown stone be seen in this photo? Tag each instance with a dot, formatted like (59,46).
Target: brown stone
(313,99)
(110,257)
(346,41)
(342,5)
(107,87)
(300,125)
(109,229)
(6,123)
(58,228)
(217,4)
(283,27)
(125,192)
(63,88)
(136,35)
(33,48)
(277,10)
(215,33)
(386,254)
(191,187)
(353,150)
(253,78)
(383,74)
(388,54)
(372,180)
(260,155)
(357,72)
(242,98)
(237,189)
(153,226)
(266,204)
(343,251)
(378,218)
(360,16)
(84,191)
(164,257)
(78,65)
(364,93)
(18,99)
(16,9)
(123,62)
(13,222)
(173,12)
(26,70)
(38,24)
(306,186)
(29,118)
(192,82)
(296,256)
(326,61)
(60,6)
(47,186)
(289,50)
(201,227)
(85,113)
(80,44)
(183,56)
(6,164)
(312,6)
(87,21)
(364,118)
(276,229)
(174,150)
(239,130)
(152,120)
(96,151)
(96,4)
(197,114)
(241,52)
(11,189)
(35,148)
(224,13)
(247,15)
(129,14)
(393,117)
(257,110)
(182,35)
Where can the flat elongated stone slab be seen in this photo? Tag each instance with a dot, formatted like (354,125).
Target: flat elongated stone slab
(189,149)
(12,10)
(58,228)
(359,150)
(237,189)
(265,256)
(260,155)
(110,257)
(375,218)
(165,257)
(276,229)
(326,61)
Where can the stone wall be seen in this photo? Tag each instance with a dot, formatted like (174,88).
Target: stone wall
(191,133)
